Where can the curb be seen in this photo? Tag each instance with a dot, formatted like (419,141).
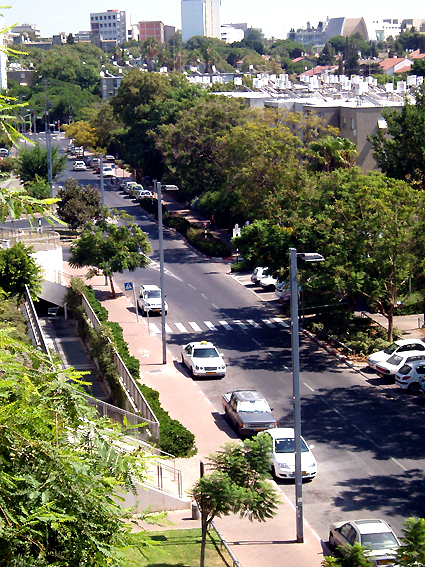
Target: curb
(332,351)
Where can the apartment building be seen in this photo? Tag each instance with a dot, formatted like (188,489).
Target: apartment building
(200,17)
(111,25)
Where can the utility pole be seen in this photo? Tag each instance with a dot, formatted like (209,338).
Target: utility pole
(48,145)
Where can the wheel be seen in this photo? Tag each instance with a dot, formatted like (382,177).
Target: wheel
(332,543)
(414,388)
(143,312)
(166,313)
(191,372)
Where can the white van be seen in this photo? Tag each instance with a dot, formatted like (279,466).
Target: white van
(150,300)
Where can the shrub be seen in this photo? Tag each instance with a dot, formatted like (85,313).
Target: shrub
(150,205)
(210,246)
(175,438)
(131,362)
(178,222)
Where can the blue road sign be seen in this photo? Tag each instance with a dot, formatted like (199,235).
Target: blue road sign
(128,286)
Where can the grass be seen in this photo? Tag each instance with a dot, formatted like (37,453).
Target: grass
(176,548)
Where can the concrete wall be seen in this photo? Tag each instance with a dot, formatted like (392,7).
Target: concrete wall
(54,287)
(153,498)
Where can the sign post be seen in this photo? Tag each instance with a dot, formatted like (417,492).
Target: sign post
(129,286)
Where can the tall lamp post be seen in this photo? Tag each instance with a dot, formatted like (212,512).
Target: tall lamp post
(295,343)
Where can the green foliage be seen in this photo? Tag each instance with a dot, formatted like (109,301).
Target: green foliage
(412,552)
(78,204)
(175,438)
(58,479)
(107,248)
(399,151)
(17,269)
(32,161)
(38,188)
(210,246)
(13,319)
(349,556)
(179,223)
(132,363)
(236,483)
(330,153)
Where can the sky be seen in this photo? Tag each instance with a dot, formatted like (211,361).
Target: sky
(274,17)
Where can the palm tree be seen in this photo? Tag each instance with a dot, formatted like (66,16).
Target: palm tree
(330,153)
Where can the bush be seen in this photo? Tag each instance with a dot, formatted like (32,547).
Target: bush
(150,205)
(131,362)
(175,438)
(410,309)
(177,222)
(210,246)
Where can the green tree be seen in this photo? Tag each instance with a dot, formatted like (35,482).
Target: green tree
(17,269)
(32,161)
(327,55)
(400,151)
(83,134)
(38,188)
(62,467)
(349,556)
(78,204)
(332,152)
(412,552)
(108,248)
(70,39)
(236,484)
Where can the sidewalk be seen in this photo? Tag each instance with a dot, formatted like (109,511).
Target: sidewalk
(271,543)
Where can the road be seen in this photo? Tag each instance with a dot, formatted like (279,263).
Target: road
(368,441)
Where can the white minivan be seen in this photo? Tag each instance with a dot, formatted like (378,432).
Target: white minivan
(150,300)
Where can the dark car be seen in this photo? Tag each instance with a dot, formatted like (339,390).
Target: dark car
(248,411)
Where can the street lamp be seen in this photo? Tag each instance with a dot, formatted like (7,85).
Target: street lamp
(295,343)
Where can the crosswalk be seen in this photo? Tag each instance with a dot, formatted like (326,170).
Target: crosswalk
(229,325)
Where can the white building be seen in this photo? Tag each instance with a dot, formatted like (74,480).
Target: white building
(111,25)
(229,34)
(200,17)
(381,30)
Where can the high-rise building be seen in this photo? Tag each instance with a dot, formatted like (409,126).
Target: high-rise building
(111,25)
(200,17)
(151,29)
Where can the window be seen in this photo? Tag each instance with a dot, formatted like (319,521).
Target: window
(100,17)
(109,17)
(113,25)
(110,24)
(96,18)
(92,18)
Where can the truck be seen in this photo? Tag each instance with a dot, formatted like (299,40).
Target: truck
(248,412)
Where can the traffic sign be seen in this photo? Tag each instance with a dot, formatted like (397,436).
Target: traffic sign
(128,286)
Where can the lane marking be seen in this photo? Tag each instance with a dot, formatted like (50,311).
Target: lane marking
(181,327)
(309,387)
(168,329)
(154,329)
(398,463)
(268,322)
(281,322)
(190,285)
(240,324)
(204,296)
(210,326)
(257,343)
(226,325)
(254,323)
(195,326)
(215,306)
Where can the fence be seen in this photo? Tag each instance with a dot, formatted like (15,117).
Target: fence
(134,396)
(37,238)
(34,324)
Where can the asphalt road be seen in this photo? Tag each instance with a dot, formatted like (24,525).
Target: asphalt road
(368,441)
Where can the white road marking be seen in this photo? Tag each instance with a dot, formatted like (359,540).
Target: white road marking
(281,322)
(226,325)
(195,326)
(154,329)
(257,343)
(210,326)
(398,463)
(268,322)
(309,387)
(181,327)
(168,329)
(240,324)
(190,285)
(215,306)
(254,323)
(204,296)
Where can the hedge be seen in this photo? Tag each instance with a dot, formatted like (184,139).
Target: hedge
(209,246)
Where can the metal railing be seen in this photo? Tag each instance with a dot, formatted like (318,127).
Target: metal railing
(34,324)
(134,396)
(37,238)
(224,543)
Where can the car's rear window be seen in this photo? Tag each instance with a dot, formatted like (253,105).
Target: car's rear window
(379,541)
(394,360)
(405,370)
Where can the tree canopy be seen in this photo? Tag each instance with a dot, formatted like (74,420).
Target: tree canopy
(32,161)
(78,204)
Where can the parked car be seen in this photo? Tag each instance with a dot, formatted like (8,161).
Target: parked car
(128,185)
(396,361)
(411,376)
(169,187)
(4,152)
(140,194)
(203,359)
(268,282)
(150,299)
(79,166)
(108,157)
(95,162)
(88,160)
(398,347)
(283,454)
(133,188)
(259,273)
(79,151)
(376,535)
(247,411)
(108,171)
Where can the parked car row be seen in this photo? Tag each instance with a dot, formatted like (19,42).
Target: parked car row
(264,278)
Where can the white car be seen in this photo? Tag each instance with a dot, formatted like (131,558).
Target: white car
(128,185)
(203,359)
(398,347)
(108,171)
(259,273)
(140,194)
(376,535)
(150,300)
(411,376)
(283,454)
(396,361)
(79,166)
(268,282)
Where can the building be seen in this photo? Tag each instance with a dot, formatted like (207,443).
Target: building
(82,36)
(110,86)
(419,25)
(25,29)
(346,27)
(393,65)
(151,29)
(110,25)
(200,17)
(230,34)
(381,30)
